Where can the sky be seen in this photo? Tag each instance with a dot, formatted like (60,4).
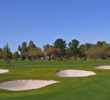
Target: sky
(44,21)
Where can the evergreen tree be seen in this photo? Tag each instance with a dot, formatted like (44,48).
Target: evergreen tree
(31,45)
(23,50)
(6,54)
(16,55)
(60,43)
(73,48)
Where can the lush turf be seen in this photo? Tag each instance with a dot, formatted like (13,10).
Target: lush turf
(85,88)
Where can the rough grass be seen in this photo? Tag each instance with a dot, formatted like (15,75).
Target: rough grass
(85,88)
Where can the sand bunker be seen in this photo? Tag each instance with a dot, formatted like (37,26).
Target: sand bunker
(3,71)
(103,67)
(74,73)
(18,85)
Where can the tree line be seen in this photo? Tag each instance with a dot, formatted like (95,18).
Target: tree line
(58,51)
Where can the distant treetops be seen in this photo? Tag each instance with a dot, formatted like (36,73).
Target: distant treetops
(58,51)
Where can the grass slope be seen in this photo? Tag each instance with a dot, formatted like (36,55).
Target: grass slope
(85,88)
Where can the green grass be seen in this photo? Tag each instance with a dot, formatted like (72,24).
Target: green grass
(81,88)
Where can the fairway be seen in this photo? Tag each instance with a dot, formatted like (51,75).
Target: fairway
(96,87)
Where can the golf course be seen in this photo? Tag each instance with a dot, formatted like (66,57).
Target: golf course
(93,87)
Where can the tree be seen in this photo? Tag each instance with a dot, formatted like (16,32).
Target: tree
(87,47)
(73,47)
(60,43)
(19,48)
(105,50)
(99,44)
(35,53)
(49,50)
(6,54)
(52,52)
(58,53)
(1,53)
(101,51)
(23,50)
(15,55)
(31,45)
(94,52)
(81,51)
(45,47)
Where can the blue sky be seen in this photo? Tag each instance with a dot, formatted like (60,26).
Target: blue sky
(44,21)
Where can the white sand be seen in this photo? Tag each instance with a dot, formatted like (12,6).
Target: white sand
(103,67)
(18,85)
(3,71)
(74,73)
